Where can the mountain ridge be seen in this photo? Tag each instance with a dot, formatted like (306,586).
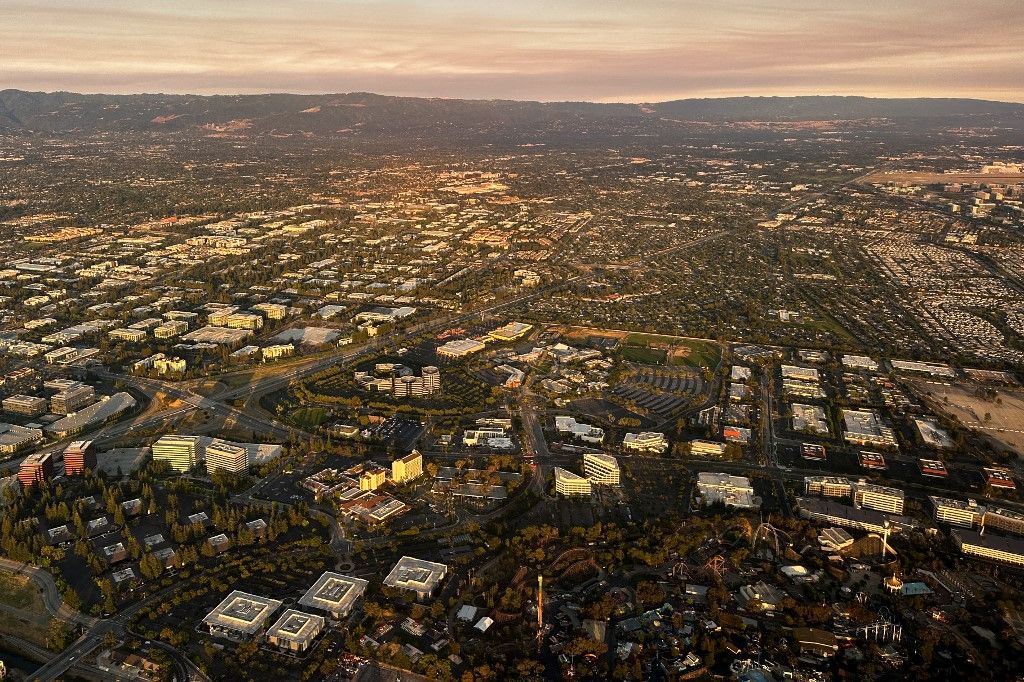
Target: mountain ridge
(338,113)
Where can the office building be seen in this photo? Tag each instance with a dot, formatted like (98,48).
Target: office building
(181,452)
(373,477)
(956,512)
(828,486)
(128,335)
(601,469)
(277,351)
(571,485)
(334,594)
(584,432)
(645,442)
(482,436)
(25,405)
(813,452)
(864,427)
(732,491)
(14,439)
(872,460)
(993,547)
(707,448)
(407,468)
(241,616)
(878,497)
(418,576)
(1004,520)
(295,631)
(72,399)
(100,412)
(227,456)
(170,329)
(460,348)
(79,457)
(250,321)
(999,477)
(933,468)
(36,468)
(834,514)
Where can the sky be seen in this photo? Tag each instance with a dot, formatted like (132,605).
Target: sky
(595,50)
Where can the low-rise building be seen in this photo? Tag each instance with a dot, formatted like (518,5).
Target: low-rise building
(993,547)
(128,335)
(584,432)
(648,441)
(372,477)
(878,497)
(241,616)
(277,351)
(956,512)
(864,427)
(460,348)
(72,399)
(1004,519)
(14,439)
(25,405)
(933,468)
(732,491)
(334,594)
(828,486)
(295,631)
(707,448)
(832,513)
(418,576)
(999,477)
(569,484)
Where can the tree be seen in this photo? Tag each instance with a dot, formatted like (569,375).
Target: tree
(59,635)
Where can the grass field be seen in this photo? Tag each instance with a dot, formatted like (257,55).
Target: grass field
(22,613)
(642,354)
(19,592)
(309,417)
(698,354)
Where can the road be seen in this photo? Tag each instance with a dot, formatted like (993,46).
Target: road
(53,602)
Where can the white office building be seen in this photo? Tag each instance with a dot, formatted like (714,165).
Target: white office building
(569,484)
(181,452)
(227,456)
(878,497)
(601,469)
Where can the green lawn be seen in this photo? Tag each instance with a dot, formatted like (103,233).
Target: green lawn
(641,339)
(702,354)
(642,354)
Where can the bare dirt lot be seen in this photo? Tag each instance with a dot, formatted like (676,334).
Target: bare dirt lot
(1000,416)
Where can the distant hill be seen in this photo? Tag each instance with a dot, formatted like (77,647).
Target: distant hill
(370,115)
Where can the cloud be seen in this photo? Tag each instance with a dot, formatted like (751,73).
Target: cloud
(641,50)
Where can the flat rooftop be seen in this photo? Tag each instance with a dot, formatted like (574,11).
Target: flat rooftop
(296,626)
(334,592)
(415,574)
(242,612)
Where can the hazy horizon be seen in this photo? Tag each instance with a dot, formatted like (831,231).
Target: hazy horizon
(577,50)
(142,93)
